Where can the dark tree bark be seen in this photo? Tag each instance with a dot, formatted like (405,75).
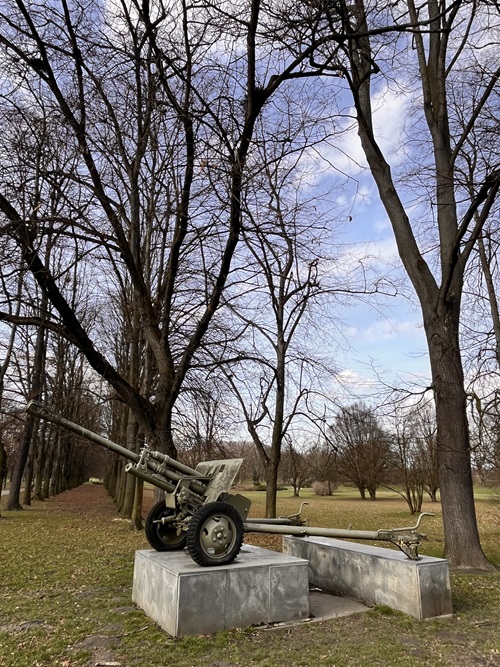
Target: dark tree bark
(440,298)
(3,372)
(159,80)
(13,502)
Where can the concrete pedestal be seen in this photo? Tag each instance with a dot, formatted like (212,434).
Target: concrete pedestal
(375,575)
(260,586)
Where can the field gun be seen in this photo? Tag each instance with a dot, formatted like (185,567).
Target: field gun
(199,513)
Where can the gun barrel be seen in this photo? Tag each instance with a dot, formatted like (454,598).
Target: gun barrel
(39,410)
(155,481)
(183,470)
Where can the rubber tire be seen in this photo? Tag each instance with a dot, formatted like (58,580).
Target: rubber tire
(201,532)
(163,537)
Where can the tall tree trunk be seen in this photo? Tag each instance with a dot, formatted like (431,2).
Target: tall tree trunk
(136,519)
(29,474)
(273,460)
(462,545)
(127,504)
(30,421)
(47,475)
(440,296)
(131,489)
(272,483)
(3,463)
(40,462)
(3,370)
(13,502)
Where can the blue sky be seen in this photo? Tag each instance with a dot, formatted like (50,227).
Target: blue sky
(384,335)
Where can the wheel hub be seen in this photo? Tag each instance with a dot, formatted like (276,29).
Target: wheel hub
(217,536)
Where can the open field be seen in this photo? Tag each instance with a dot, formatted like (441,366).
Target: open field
(65,585)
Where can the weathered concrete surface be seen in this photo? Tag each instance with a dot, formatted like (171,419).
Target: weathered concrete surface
(323,606)
(185,599)
(375,575)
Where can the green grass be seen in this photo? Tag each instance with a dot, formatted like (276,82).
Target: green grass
(65,586)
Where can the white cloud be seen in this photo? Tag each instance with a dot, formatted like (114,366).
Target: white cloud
(387,329)
(352,379)
(371,255)
(390,109)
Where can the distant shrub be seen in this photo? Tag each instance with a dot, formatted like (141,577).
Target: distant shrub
(323,488)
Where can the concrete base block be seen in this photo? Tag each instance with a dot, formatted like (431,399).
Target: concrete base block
(260,586)
(375,575)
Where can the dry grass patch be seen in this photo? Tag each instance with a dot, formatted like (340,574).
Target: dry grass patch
(65,587)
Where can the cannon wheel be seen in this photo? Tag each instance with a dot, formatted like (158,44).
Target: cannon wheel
(163,537)
(215,534)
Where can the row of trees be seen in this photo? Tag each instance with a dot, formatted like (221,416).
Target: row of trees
(362,453)
(160,189)
(368,449)
(358,451)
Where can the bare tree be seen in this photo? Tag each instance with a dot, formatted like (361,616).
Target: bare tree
(458,228)
(4,366)
(203,422)
(295,468)
(35,392)
(408,464)
(362,449)
(323,467)
(271,365)
(159,116)
(366,47)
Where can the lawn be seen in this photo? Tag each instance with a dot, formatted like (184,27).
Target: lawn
(65,596)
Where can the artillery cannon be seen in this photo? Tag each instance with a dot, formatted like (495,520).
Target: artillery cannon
(199,513)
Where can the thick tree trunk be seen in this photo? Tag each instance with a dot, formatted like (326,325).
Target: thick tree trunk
(462,544)
(55,484)
(47,472)
(120,489)
(28,475)
(13,502)
(130,486)
(136,519)
(271,485)
(128,497)
(3,463)
(39,467)
(30,421)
